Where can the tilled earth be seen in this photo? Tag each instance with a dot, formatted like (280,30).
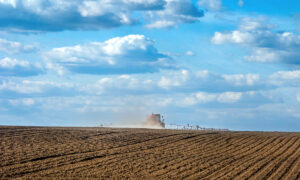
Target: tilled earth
(107,153)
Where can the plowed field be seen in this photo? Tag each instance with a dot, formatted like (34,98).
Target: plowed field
(106,153)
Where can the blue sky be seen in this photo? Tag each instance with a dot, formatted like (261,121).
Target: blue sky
(215,63)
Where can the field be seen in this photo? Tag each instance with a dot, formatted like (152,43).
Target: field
(106,153)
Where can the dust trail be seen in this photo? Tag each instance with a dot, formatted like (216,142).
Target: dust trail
(129,120)
(136,126)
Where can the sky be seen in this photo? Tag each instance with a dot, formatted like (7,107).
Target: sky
(231,64)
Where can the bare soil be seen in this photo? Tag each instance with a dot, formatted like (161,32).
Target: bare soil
(106,153)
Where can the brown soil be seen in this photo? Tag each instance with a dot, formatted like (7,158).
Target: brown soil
(105,153)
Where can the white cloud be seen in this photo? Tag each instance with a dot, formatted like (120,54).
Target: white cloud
(230,97)
(242,79)
(214,5)
(25,87)
(9,2)
(178,79)
(120,83)
(58,15)
(11,63)
(189,101)
(182,81)
(288,75)
(205,97)
(119,55)
(12,47)
(209,81)
(190,53)
(99,8)
(254,24)
(28,102)
(285,78)
(232,37)
(264,55)
(175,12)
(162,24)
(14,67)
(29,87)
(223,100)
(23,102)
(267,45)
(204,86)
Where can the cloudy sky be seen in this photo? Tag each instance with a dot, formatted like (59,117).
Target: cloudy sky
(215,63)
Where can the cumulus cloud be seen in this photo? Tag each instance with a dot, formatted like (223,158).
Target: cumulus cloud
(242,79)
(232,37)
(183,81)
(119,55)
(227,99)
(121,84)
(175,12)
(30,88)
(210,81)
(12,47)
(14,67)
(287,75)
(214,5)
(204,98)
(24,101)
(121,9)
(264,55)
(267,45)
(162,24)
(230,97)
(179,81)
(285,78)
(58,15)
(127,102)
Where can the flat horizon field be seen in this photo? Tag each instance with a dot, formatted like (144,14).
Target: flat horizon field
(120,153)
